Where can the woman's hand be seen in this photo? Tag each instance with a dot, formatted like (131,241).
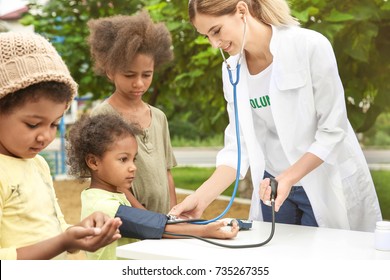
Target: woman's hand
(283,191)
(188,209)
(288,178)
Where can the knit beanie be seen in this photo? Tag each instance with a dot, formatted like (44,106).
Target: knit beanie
(27,58)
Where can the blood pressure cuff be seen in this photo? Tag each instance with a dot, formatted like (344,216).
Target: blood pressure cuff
(140,223)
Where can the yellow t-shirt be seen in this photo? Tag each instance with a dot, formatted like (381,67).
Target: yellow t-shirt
(29,211)
(107,202)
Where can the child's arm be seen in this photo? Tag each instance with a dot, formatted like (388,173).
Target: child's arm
(92,233)
(172,189)
(211,230)
(144,224)
(131,198)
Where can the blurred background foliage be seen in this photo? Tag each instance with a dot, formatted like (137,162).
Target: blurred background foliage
(189,90)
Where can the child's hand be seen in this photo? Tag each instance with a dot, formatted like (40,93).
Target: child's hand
(218,229)
(95,220)
(95,231)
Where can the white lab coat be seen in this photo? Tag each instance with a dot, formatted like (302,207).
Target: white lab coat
(308,107)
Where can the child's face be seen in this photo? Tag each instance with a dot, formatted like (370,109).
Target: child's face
(28,129)
(116,168)
(136,80)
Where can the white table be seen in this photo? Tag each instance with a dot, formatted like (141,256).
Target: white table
(289,242)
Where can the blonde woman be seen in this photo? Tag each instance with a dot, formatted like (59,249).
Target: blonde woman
(292,117)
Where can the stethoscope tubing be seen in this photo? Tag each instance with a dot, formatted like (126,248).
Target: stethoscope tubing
(234,84)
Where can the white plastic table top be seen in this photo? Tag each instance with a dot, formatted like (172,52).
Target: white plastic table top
(289,242)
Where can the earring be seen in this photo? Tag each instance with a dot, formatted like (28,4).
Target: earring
(243,16)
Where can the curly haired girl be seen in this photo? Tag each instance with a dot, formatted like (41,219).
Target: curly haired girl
(127,49)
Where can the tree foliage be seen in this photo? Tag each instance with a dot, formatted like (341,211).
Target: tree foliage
(189,90)
(359,32)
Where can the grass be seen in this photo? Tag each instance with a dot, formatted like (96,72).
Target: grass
(192,177)
(215,141)
(381,180)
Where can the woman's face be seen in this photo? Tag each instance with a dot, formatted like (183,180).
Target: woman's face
(225,32)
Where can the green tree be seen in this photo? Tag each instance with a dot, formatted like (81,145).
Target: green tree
(193,103)
(189,90)
(359,32)
(65,24)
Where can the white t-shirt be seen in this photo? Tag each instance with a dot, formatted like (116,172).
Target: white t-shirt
(275,159)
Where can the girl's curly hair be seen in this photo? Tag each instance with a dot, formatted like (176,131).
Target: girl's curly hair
(94,135)
(114,41)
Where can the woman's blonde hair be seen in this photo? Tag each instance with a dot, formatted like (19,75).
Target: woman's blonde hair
(275,12)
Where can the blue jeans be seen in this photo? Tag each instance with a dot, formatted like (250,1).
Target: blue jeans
(296,209)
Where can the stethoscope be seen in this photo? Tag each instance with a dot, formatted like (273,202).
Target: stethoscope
(234,84)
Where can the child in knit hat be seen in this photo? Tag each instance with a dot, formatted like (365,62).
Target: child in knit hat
(35,90)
